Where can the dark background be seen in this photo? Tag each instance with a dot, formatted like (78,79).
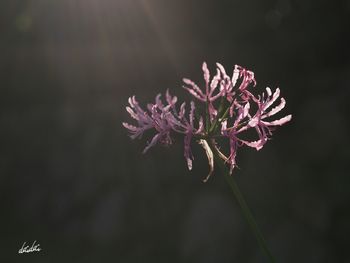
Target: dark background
(71,178)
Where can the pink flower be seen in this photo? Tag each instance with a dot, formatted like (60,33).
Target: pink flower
(210,88)
(263,127)
(164,119)
(227,111)
(245,121)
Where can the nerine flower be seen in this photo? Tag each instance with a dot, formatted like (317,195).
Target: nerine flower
(164,119)
(228,114)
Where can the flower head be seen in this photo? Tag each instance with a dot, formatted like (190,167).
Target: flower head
(164,119)
(228,114)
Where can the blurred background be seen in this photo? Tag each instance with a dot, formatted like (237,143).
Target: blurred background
(71,178)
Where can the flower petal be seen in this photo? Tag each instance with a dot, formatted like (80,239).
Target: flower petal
(235,75)
(195,94)
(153,142)
(206,75)
(275,109)
(276,94)
(210,157)
(279,122)
(255,144)
(187,150)
(194,86)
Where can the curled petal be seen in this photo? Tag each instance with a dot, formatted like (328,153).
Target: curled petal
(171,100)
(222,70)
(194,86)
(278,122)
(276,94)
(192,113)
(255,144)
(129,126)
(154,141)
(182,110)
(206,75)
(235,75)
(187,150)
(269,92)
(132,113)
(210,157)
(159,103)
(194,94)
(221,155)
(276,109)
(214,82)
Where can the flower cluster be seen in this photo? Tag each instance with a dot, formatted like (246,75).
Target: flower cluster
(230,110)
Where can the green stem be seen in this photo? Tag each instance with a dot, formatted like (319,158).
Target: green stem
(221,107)
(207,121)
(243,205)
(218,120)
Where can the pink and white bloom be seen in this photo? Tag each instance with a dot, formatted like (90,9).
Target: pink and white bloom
(164,119)
(228,113)
(244,121)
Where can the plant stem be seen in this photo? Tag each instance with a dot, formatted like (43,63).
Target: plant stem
(207,120)
(243,205)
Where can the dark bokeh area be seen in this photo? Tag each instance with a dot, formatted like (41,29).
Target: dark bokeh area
(71,178)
